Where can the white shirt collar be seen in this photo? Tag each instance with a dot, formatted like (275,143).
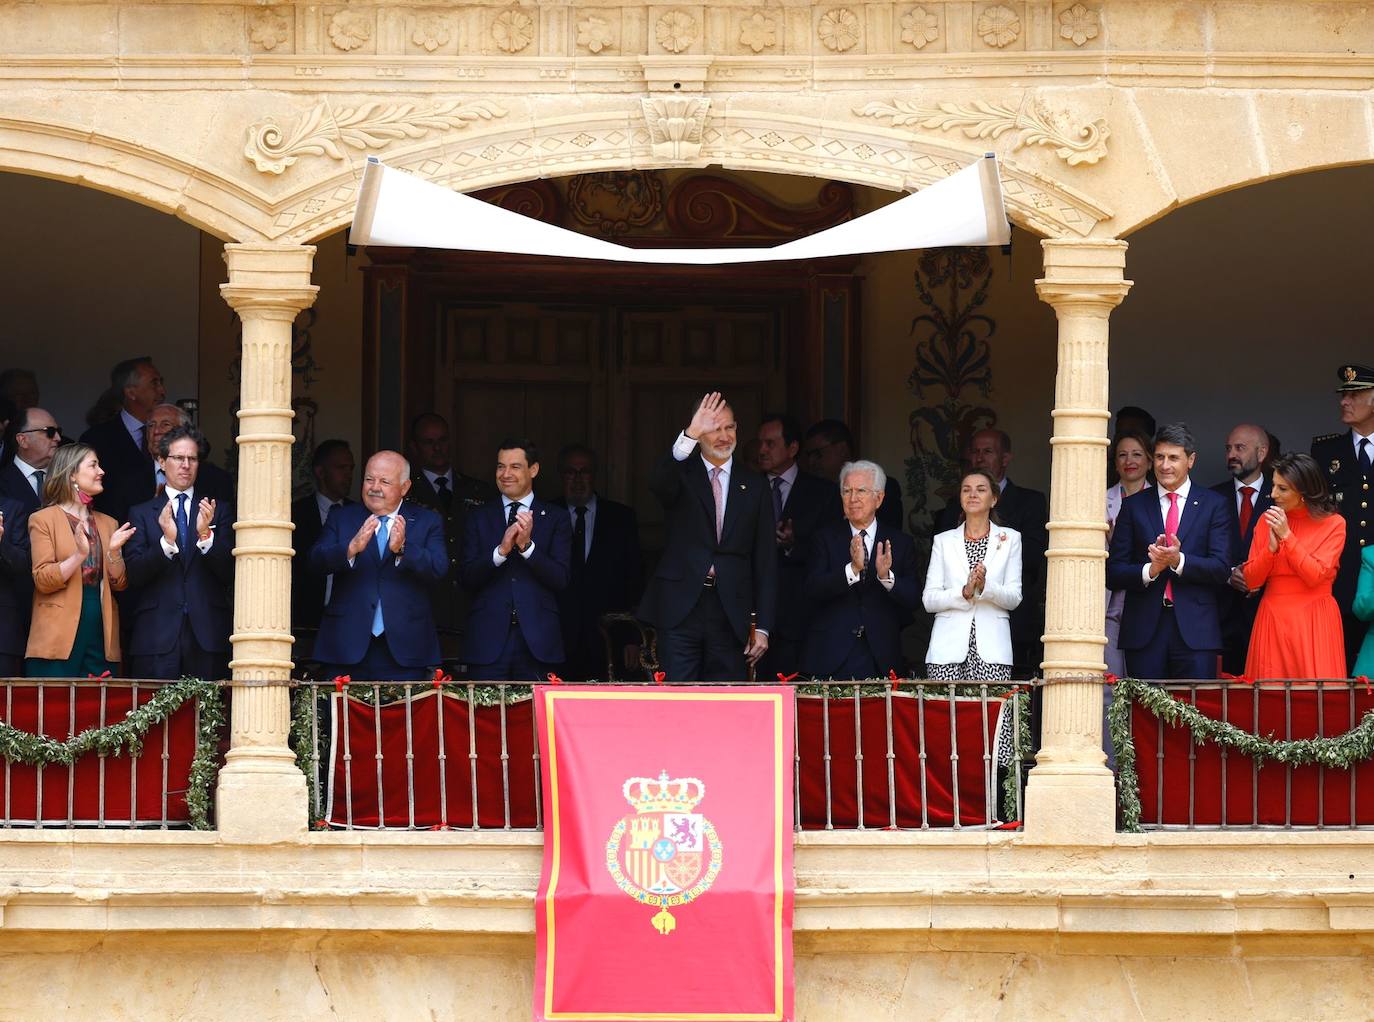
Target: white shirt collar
(393,512)
(1002,486)
(724,469)
(1356,436)
(590,506)
(131,424)
(173,493)
(789,476)
(871,528)
(324,504)
(1257,485)
(432,476)
(26,468)
(524,501)
(1182,491)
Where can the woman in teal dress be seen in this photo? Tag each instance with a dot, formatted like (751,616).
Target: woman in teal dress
(1364,610)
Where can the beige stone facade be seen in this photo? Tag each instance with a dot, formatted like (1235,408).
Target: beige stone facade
(251,122)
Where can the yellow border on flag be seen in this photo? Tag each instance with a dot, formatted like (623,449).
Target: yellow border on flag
(669,1016)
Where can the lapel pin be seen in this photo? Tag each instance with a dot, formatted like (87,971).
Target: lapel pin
(1335,464)
(743,487)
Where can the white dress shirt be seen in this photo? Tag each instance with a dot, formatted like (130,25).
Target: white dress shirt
(29,471)
(590,518)
(870,535)
(525,502)
(1163,495)
(1355,438)
(682,450)
(192,512)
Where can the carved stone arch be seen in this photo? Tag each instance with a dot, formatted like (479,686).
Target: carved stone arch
(218,205)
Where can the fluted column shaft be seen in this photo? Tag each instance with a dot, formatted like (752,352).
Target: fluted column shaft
(261,793)
(1070,796)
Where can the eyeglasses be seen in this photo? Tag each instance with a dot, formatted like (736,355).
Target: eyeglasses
(182,459)
(860,492)
(51,432)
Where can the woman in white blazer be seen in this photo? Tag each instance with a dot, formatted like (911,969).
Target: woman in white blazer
(972,586)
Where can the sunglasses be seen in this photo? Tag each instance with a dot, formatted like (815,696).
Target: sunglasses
(51,432)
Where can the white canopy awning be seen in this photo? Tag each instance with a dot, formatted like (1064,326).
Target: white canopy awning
(399,209)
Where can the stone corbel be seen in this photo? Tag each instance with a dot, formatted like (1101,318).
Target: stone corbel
(676,73)
(676,125)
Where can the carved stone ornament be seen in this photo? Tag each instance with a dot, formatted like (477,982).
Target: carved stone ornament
(349,29)
(999,26)
(1079,24)
(758,32)
(839,29)
(594,33)
(268,29)
(323,132)
(431,31)
(512,30)
(1033,125)
(920,27)
(676,125)
(676,31)
(615,202)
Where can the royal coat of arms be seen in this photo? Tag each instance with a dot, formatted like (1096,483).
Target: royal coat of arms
(664,854)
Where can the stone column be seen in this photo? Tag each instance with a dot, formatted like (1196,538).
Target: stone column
(262,795)
(1070,797)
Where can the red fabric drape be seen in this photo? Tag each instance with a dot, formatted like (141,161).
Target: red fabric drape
(68,710)
(1182,767)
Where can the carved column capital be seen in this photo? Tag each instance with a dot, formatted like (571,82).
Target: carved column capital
(1084,276)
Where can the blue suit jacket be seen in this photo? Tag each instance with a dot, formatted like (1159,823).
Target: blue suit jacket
(527,585)
(402,588)
(1204,534)
(16,579)
(839,609)
(165,590)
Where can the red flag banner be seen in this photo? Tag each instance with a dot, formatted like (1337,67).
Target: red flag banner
(666,891)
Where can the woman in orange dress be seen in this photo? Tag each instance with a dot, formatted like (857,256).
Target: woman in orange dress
(1294,556)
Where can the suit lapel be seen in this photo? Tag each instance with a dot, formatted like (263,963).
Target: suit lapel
(700,484)
(1189,513)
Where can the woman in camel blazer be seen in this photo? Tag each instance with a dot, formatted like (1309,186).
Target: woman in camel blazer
(78,564)
(972,586)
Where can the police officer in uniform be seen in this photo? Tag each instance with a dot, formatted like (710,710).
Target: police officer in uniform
(439,486)
(1347,458)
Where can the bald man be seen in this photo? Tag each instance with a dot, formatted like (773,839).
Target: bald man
(1247,496)
(384,554)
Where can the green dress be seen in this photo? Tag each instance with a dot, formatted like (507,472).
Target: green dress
(1364,610)
(88,649)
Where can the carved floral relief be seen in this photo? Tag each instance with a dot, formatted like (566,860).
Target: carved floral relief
(594,32)
(758,32)
(999,26)
(512,30)
(839,29)
(1079,24)
(920,27)
(268,29)
(431,32)
(349,30)
(676,31)
(676,125)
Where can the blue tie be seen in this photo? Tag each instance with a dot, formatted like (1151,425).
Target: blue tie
(382,529)
(183,529)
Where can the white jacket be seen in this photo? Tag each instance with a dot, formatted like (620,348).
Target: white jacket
(954,615)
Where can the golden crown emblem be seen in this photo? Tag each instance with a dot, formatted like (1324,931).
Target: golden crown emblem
(1349,373)
(662,795)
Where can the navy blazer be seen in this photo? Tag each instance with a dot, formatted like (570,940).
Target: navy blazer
(125,466)
(529,586)
(812,504)
(840,610)
(1204,534)
(164,590)
(1237,609)
(745,557)
(400,585)
(609,581)
(16,578)
(15,485)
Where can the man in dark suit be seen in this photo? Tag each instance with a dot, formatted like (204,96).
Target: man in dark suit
(451,495)
(605,565)
(802,504)
(827,446)
(1171,553)
(720,562)
(180,566)
(136,487)
(36,437)
(384,554)
(332,466)
(16,587)
(121,442)
(1347,458)
(1026,511)
(1247,496)
(515,562)
(861,581)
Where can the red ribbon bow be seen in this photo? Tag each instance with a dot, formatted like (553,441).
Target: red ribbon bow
(1363,680)
(1110,678)
(102,674)
(440,677)
(892,677)
(341,682)
(660,677)
(1243,678)
(785,678)
(553,678)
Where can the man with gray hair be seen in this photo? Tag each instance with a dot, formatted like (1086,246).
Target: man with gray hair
(861,581)
(121,443)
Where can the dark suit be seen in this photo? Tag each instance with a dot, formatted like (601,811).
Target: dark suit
(408,644)
(1354,492)
(703,628)
(136,487)
(307,585)
(812,504)
(16,588)
(1238,609)
(890,513)
(126,465)
(856,630)
(15,485)
(1026,511)
(609,580)
(1182,641)
(451,601)
(180,607)
(513,632)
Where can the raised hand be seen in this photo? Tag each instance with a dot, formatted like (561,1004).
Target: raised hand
(83,541)
(396,538)
(856,554)
(524,528)
(119,537)
(204,515)
(1277,518)
(362,537)
(708,416)
(508,538)
(166,521)
(882,559)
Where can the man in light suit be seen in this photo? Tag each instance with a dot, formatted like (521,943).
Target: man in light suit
(383,553)
(1247,497)
(180,567)
(121,442)
(515,562)
(1171,553)
(861,583)
(720,563)
(16,587)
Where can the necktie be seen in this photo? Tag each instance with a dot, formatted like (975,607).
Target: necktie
(579,550)
(38,478)
(1247,509)
(1364,456)
(513,510)
(183,529)
(138,439)
(777,498)
(863,538)
(718,495)
(1171,530)
(379,626)
(444,494)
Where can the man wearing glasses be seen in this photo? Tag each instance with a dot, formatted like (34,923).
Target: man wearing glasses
(38,435)
(827,446)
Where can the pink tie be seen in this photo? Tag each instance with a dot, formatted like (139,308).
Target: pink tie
(1170,531)
(719,499)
